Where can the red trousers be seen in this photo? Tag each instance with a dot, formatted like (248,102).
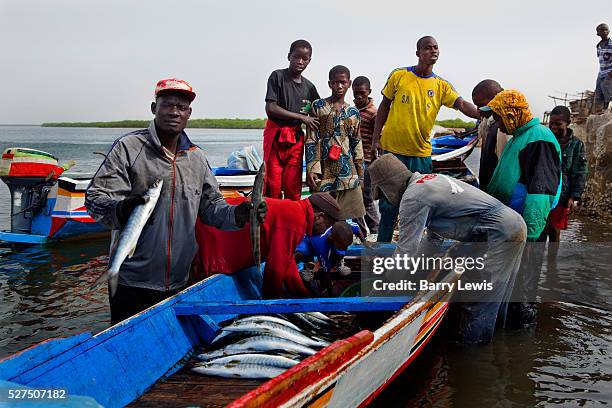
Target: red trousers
(284,162)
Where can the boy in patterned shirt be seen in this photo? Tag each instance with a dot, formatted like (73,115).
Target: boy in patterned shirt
(334,153)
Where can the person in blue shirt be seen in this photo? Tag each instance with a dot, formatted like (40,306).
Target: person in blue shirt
(329,247)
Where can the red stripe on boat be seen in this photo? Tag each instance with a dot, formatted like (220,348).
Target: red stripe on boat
(56,224)
(285,386)
(433,319)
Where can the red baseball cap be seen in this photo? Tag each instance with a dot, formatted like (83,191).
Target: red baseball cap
(176,85)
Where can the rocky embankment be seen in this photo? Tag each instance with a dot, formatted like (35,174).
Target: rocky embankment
(597,137)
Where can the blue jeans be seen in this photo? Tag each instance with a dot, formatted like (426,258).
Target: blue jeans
(389,212)
(603,90)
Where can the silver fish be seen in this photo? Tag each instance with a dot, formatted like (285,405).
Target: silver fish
(258,344)
(128,237)
(264,318)
(258,319)
(320,316)
(314,319)
(239,370)
(273,329)
(259,359)
(256,200)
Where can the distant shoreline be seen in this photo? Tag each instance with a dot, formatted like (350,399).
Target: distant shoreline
(217,124)
(193,123)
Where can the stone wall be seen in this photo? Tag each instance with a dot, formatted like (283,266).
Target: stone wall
(597,197)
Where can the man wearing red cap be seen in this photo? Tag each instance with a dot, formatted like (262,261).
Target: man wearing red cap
(160,264)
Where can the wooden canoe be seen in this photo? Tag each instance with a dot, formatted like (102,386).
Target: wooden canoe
(145,360)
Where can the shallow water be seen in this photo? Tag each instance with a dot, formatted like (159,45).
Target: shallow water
(565,360)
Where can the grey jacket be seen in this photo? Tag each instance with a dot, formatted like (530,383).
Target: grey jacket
(167,244)
(454,210)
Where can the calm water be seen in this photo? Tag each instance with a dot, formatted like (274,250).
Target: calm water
(564,361)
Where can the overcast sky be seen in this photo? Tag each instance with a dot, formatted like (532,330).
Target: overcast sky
(99,60)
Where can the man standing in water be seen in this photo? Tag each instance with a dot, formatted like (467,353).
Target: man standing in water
(492,139)
(159,267)
(452,209)
(527,179)
(412,98)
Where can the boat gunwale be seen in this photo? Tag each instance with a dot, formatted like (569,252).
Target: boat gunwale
(387,331)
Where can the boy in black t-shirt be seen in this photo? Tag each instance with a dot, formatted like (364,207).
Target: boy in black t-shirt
(287,94)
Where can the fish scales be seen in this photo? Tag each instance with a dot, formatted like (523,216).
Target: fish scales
(277,330)
(259,344)
(239,371)
(259,359)
(258,318)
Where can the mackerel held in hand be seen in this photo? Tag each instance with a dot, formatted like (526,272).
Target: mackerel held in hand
(128,237)
(256,200)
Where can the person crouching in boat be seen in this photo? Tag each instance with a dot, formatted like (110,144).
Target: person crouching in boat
(159,267)
(286,224)
(455,210)
(328,250)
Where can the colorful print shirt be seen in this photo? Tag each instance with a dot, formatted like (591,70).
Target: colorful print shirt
(416,103)
(335,128)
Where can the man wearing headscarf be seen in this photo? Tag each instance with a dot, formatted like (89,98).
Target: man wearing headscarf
(527,177)
(452,209)
(528,180)
(285,225)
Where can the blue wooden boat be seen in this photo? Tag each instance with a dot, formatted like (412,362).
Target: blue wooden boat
(146,359)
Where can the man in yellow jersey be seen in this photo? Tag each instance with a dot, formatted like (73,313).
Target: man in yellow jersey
(412,98)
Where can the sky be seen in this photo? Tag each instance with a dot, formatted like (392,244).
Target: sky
(86,60)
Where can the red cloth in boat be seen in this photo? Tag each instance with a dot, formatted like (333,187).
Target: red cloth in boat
(286,224)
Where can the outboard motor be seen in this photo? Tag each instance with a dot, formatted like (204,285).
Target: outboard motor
(29,175)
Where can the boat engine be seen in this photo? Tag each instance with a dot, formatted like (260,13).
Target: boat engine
(29,174)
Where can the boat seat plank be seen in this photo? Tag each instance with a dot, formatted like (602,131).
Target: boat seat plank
(349,304)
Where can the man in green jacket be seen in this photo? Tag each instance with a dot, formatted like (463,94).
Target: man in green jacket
(528,180)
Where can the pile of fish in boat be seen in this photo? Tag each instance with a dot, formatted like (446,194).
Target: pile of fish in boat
(263,346)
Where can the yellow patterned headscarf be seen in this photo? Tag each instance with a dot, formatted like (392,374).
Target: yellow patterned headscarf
(511,105)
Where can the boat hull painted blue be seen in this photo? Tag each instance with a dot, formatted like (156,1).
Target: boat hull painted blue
(118,365)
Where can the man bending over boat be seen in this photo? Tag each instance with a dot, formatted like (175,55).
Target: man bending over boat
(159,267)
(286,224)
(455,210)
